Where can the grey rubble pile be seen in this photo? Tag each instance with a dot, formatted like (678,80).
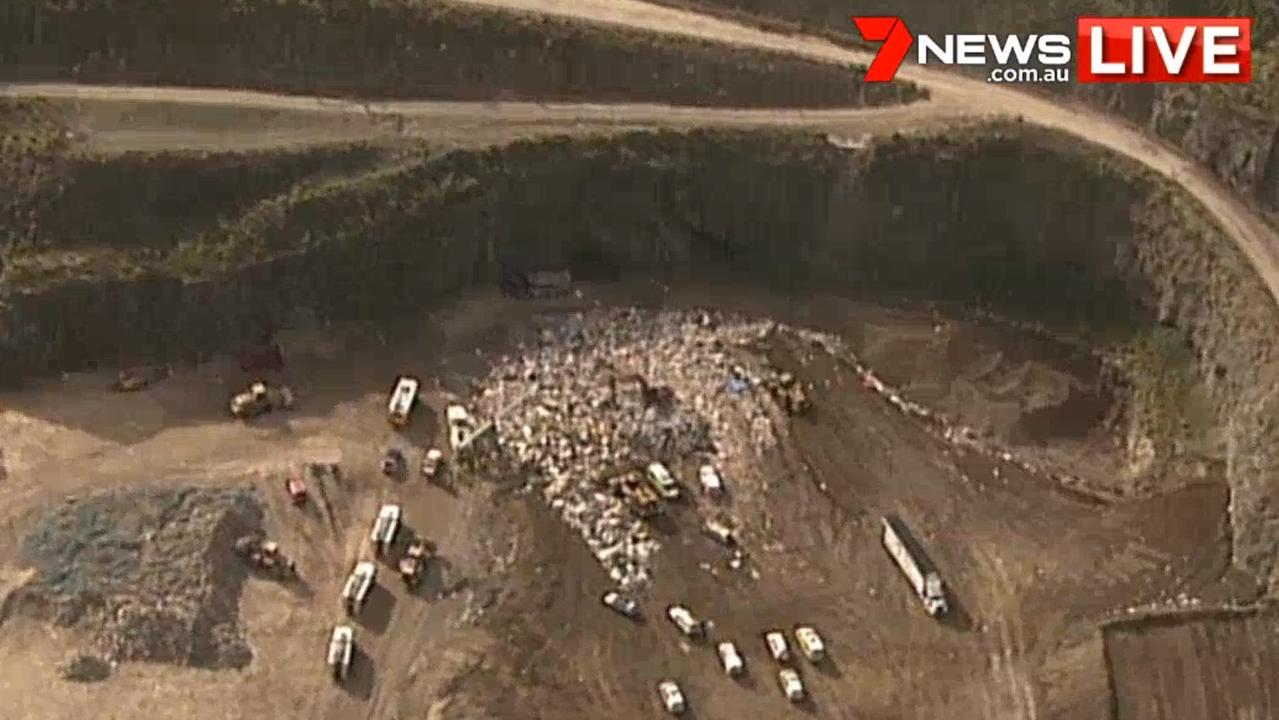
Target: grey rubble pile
(149,570)
(609,392)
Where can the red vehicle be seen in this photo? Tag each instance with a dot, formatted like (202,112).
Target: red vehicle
(296,490)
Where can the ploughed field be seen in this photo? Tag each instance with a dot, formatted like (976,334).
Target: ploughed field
(508,622)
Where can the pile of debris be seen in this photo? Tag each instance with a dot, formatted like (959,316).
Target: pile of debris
(937,423)
(150,571)
(611,391)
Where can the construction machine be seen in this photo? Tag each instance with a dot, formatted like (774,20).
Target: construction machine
(413,564)
(265,555)
(139,378)
(642,499)
(260,398)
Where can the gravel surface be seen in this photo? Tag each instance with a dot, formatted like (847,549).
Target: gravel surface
(151,571)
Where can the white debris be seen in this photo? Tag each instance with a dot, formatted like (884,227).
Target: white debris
(610,391)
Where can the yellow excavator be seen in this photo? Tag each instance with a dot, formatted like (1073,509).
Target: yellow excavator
(260,398)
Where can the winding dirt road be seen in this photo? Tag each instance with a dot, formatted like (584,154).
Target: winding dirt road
(953,97)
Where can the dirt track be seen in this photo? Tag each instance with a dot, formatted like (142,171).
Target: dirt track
(1038,571)
(1033,569)
(954,97)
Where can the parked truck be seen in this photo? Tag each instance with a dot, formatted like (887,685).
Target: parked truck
(926,582)
(399,407)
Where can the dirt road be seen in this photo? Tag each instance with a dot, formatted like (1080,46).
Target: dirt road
(953,97)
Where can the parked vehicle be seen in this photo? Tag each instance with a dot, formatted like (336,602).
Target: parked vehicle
(140,378)
(295,488)
(730,658)
(413,565)
(672,697)
(399,406)
(260,399)
(810,643)
(777,647)
(385,527)
(792,686)
(926,583)
(621,604)
(341,651)
(432,461)
(662,481)
(359,584)
(684,620)
(392,464)
(710,480)
(721,531)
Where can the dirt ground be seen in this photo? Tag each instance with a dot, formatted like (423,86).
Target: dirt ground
(1208,665)
(509,625)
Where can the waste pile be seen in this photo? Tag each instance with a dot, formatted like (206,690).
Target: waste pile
(608,392)
(150,572)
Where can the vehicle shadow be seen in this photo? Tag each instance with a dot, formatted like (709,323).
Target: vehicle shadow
(958,618)
(300,587)
(376,614)
(829,667)
(359,680)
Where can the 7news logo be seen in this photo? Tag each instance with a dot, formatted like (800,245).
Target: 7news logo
(1104,50)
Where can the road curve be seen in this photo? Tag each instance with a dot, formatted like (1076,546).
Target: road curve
(953,97)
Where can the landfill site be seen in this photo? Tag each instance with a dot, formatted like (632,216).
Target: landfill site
(538,502)
(528,360)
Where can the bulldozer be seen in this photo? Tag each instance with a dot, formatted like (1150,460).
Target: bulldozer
(260,398)
(413,565)
(641,498)
(265,555)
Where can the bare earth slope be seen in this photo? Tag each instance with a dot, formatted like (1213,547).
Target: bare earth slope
(953,97)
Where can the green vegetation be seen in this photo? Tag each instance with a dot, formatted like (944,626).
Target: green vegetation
(33,146)
(1166,402)
(402,49)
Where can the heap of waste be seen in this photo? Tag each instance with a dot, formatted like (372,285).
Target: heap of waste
(608,392)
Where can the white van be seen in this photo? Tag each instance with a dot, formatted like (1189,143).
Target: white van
(358,586)
(385,527)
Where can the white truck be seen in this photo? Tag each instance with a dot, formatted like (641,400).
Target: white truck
(684,620)
(730,659)
(385,527)
(672,697)
(341,650)
(402,401)
(358,587)
(926,583)
(711,481)
(810,643)
(792,686)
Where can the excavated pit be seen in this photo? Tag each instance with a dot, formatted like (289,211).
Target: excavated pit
(1008,221)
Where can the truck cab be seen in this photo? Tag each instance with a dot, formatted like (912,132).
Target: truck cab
(935,603)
